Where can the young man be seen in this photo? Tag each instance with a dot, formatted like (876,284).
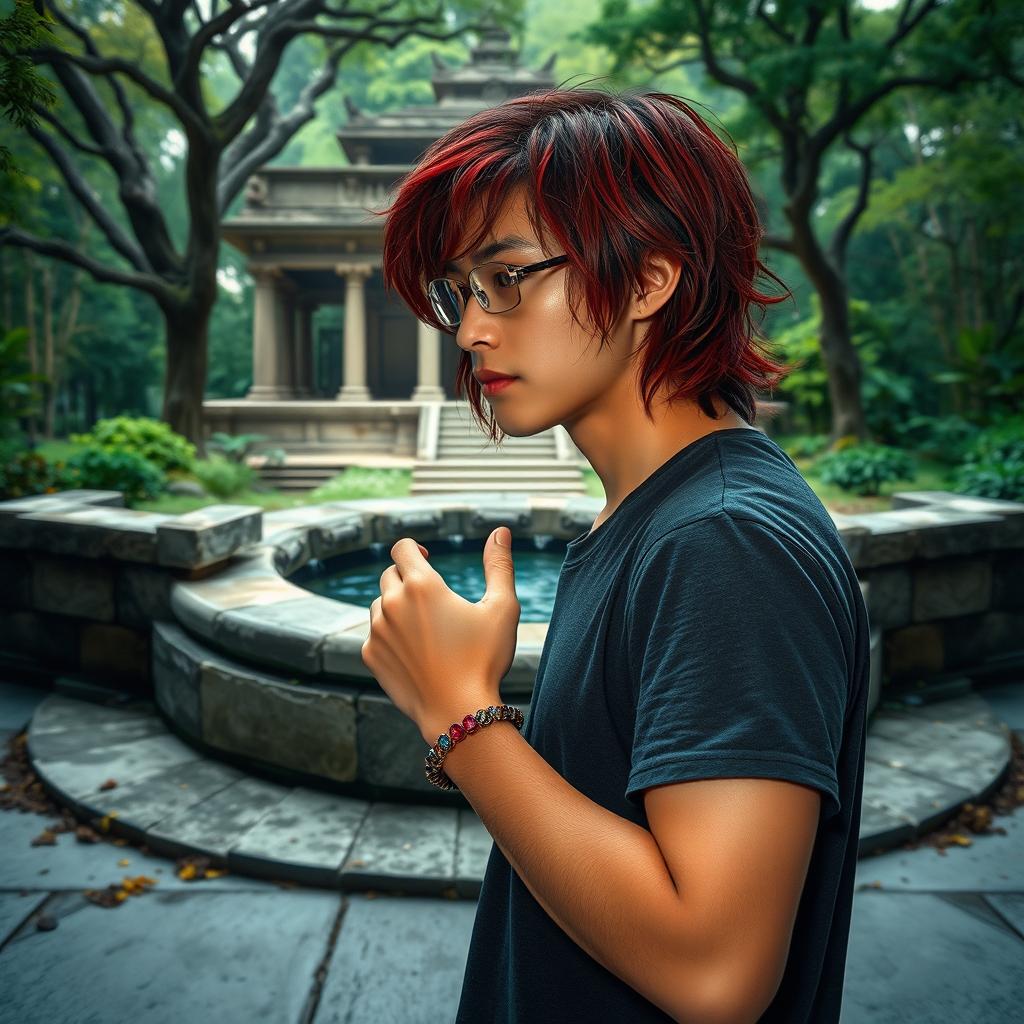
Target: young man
(676,826)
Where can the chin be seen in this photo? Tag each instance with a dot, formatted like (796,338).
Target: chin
(522,425)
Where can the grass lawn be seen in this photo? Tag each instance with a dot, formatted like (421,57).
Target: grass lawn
(359,482)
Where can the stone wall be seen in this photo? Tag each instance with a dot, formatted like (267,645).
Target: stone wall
(83,578)
(945,582)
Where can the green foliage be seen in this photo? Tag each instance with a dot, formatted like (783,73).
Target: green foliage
(994,463)
(946,438)
(24,472)
(151,439)
(22,87)
(862,468)
(223,478)
(360,482)
(804,446)
(890,394)
(19,392)
(991,369)
(115,469)
(237,447)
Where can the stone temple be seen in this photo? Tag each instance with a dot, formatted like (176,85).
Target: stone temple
(380,391)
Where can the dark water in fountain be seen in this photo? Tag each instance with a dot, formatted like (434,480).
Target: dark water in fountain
(355,577)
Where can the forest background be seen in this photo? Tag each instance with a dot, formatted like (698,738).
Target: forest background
(917,207)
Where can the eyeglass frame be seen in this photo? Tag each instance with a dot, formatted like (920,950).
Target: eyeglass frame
(516,273)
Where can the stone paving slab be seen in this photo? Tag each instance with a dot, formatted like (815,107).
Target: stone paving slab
(78,776)
(18,704)
(387,967)
(164,958)
(916,799)
(966,965)
(306,837)
(72,865)
(14,908)
(401,847)
(1011,906)
(214,825)
(977,759)
(992,863)
(60,713)
(141,805)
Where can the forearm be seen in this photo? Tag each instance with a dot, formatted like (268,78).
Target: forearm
(600,877)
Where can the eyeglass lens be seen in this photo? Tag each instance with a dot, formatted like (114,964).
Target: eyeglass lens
(491,285)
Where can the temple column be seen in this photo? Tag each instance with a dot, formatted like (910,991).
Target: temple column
(304,352)
(353,381)
(286,377)
(266,379)
(428,365)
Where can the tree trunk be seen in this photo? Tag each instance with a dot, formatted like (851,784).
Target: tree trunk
(185,383)
(842,364)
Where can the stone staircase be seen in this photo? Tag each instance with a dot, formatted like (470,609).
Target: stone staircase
(467,461)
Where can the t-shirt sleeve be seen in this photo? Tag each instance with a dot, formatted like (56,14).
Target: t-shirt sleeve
(740,658)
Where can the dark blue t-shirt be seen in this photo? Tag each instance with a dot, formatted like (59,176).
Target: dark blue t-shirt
(712,627)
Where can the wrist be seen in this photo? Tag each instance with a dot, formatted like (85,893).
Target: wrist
(439,723)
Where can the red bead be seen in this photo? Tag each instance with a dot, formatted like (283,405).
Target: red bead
(470,724)
(457,733)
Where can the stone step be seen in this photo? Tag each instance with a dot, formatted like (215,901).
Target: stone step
(537,487)
(921,765)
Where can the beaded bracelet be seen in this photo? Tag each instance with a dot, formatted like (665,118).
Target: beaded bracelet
(434,761)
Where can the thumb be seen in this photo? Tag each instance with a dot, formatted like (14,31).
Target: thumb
(499,572)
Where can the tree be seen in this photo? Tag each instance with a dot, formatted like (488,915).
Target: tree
(813,71)
(224,146)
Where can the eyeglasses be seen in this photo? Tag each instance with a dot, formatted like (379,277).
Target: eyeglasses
(495,286)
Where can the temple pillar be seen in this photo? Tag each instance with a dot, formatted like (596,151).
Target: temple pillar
(286,338)
(353,381)
(266,343)
(428,365)
(304,351)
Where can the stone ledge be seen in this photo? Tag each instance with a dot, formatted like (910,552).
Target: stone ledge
(94,524)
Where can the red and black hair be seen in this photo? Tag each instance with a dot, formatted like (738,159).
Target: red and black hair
(611,177)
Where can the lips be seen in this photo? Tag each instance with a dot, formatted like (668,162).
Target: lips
(488,376)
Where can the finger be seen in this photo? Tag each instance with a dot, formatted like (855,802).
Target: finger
(409,557)
(390,580)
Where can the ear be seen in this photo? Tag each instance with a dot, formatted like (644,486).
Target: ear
(660,275)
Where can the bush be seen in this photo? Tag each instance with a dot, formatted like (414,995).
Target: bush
(141,435)
(223,478)
(804,446)
(25,472)
(237,447)
(947,438)
(863,468)
(994,464)
(363,482)
(115,470)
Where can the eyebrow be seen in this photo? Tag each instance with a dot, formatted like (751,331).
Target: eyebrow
(508,242)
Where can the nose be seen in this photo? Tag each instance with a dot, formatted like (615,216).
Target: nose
(476,327)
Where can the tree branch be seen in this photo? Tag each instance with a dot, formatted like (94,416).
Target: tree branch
(841,237)
(778,242)
(774,26)
(62,250)
(734,81)
(89,201)
(81,145)
(109,66)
